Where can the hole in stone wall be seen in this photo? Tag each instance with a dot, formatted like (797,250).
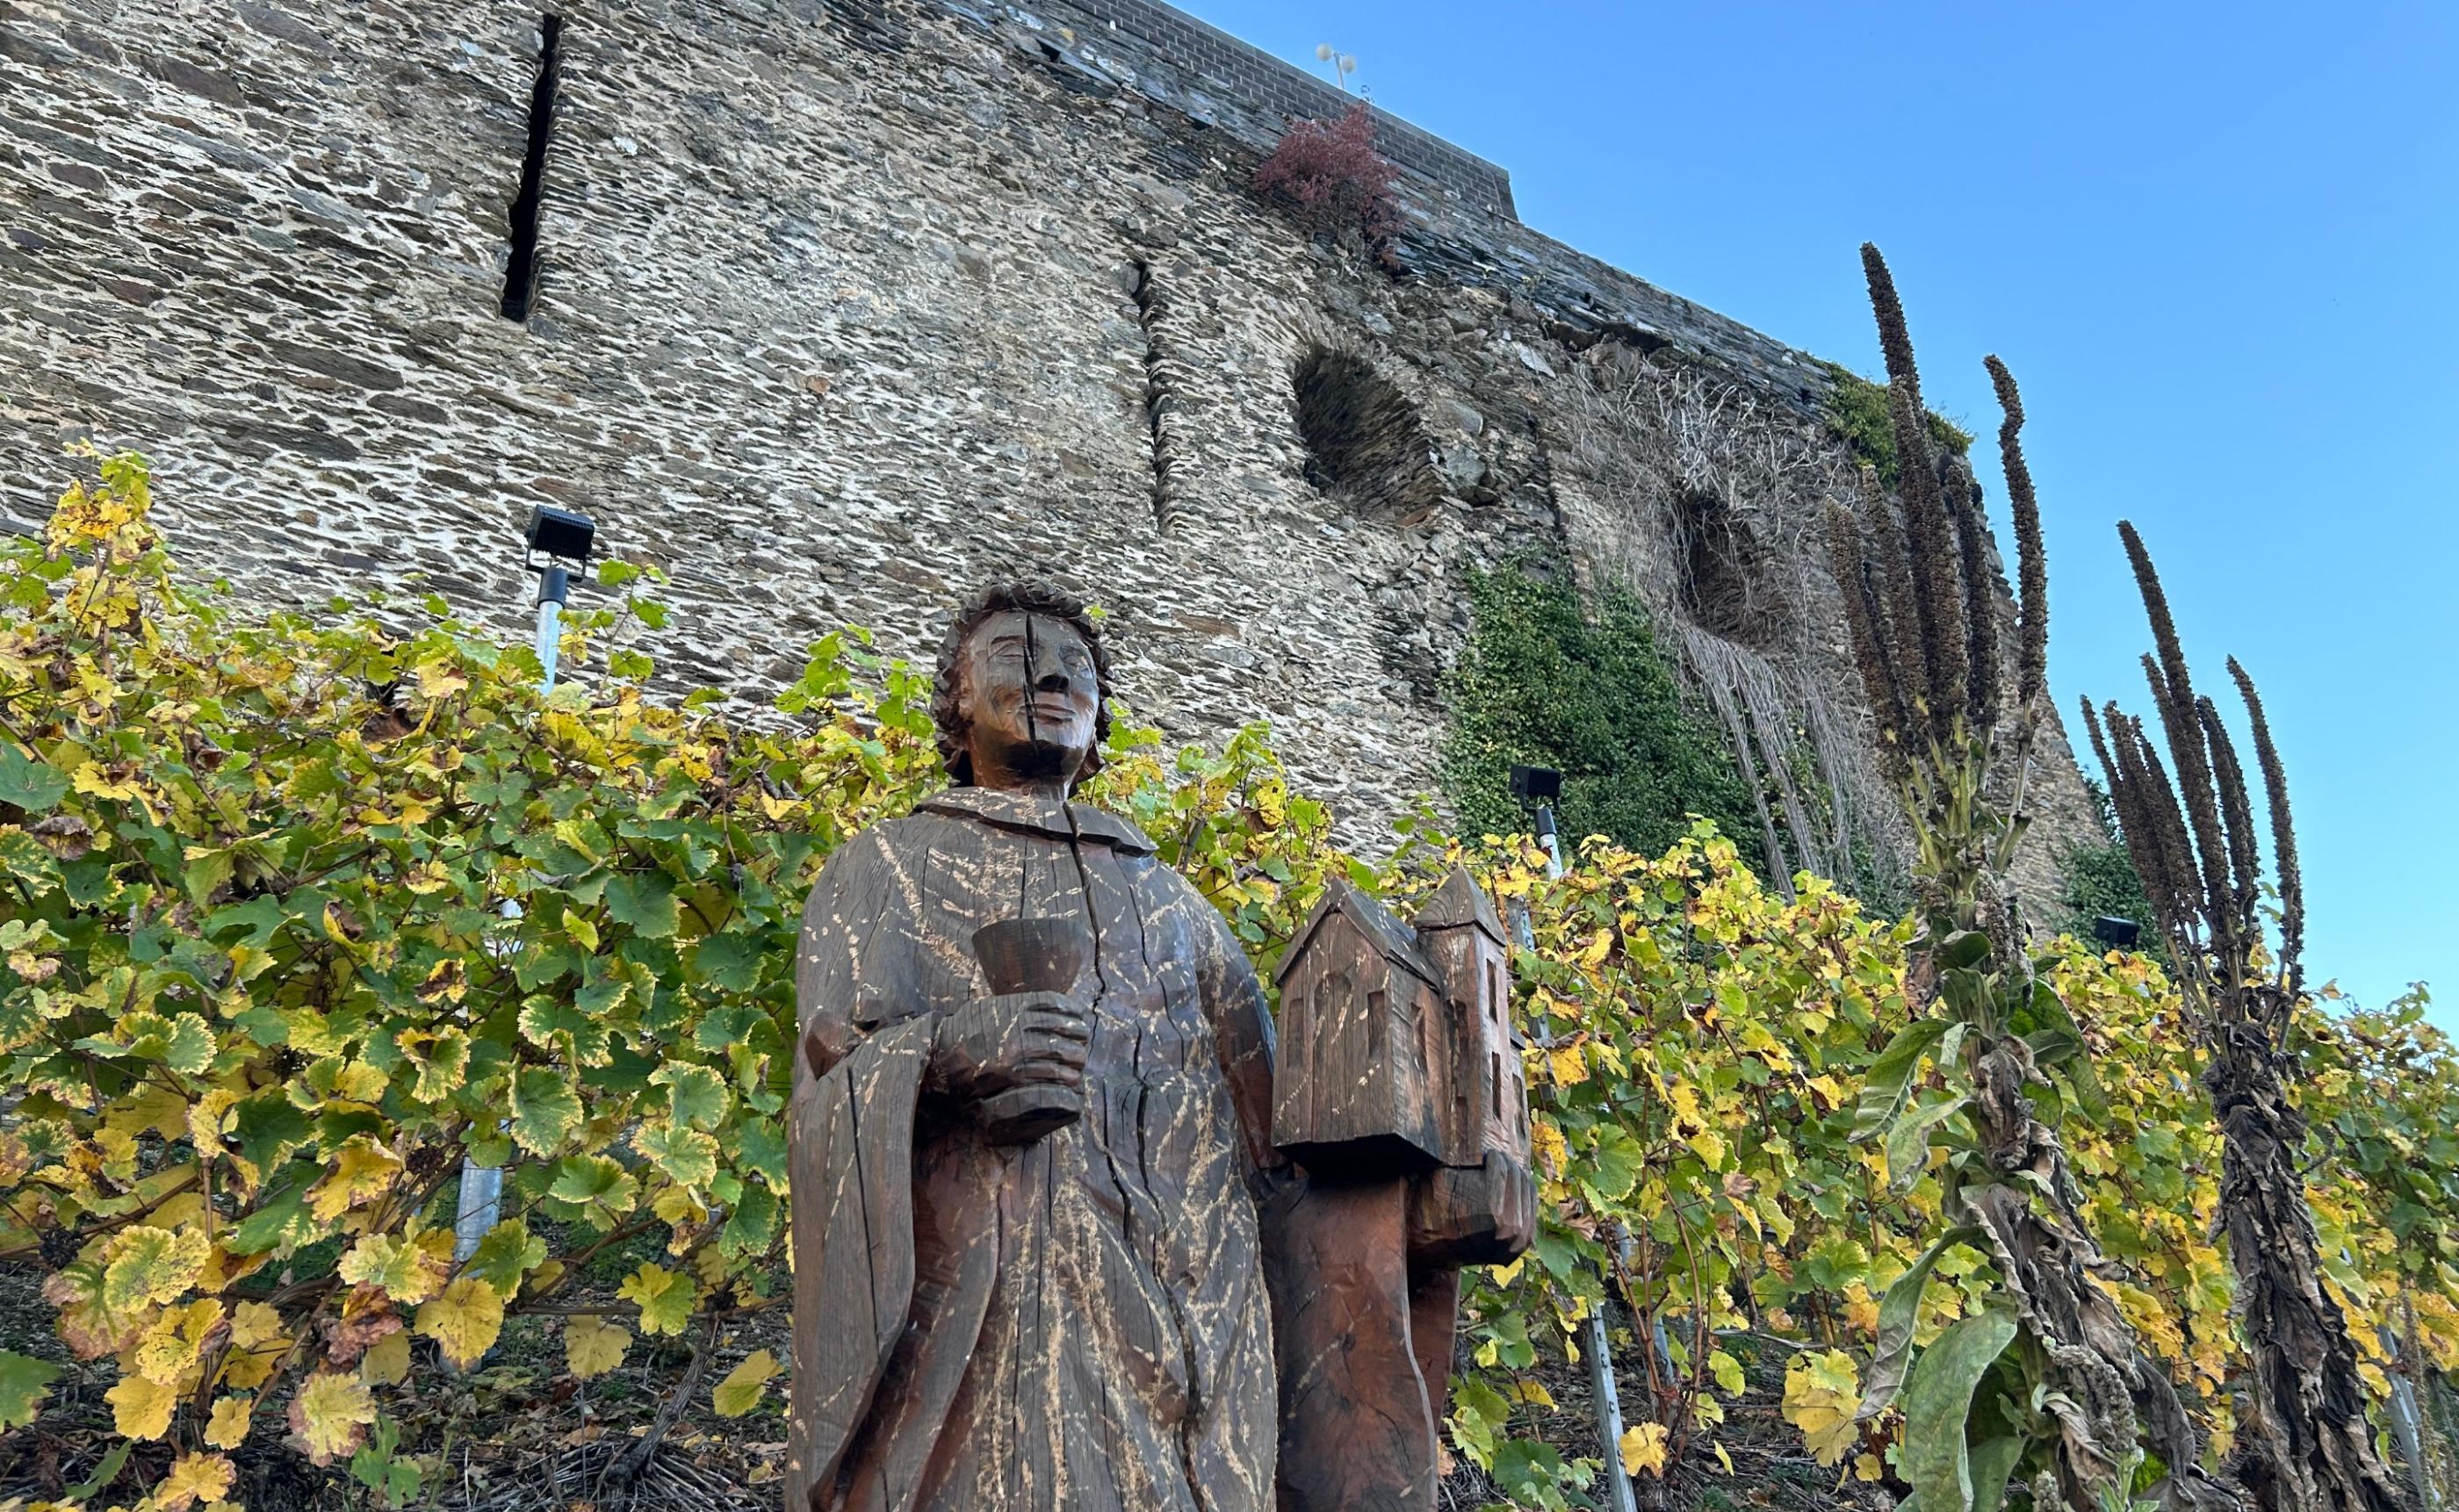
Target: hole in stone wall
(521,267)
(1724,572)
(1361,433)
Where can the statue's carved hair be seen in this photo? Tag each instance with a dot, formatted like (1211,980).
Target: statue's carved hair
(1038,598)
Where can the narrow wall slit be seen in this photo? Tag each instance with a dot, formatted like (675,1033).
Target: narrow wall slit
(521,267)
(1158,393)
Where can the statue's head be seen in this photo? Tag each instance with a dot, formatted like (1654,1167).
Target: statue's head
(1024,690)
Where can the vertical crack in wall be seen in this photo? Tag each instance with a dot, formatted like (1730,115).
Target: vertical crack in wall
(1161,391)
(521,267)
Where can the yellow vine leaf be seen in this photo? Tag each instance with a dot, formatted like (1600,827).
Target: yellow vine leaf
(665,1299)
(227,1427)
(145,1267)
(140,1408)
(1643,1448)
(386,1361)
(408,1268)
(157,1109)
(257,1342)
(1821,1394)
(464,1321)
(194,1479)
(746,1384)
(1548,1144)
(1532,1392)
(329,1415)
(1728,1372)
(363,1171)
(678,1207)
(592,1346)
(1687,1115)
(172,1345)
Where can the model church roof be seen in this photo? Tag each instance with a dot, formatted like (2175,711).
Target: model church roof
(1459,901)
(1395,940)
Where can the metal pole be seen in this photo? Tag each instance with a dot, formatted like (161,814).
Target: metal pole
(2408,1426)
(1600,1345)
(555,591)
(482,1186)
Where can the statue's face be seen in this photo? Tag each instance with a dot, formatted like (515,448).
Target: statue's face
(1030,699)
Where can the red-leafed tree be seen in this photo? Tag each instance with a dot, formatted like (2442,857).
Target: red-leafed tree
(1337,180)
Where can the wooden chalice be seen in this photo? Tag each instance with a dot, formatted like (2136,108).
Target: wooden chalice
(1022,956)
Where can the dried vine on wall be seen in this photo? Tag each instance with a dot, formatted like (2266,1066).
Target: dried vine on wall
(1711,481)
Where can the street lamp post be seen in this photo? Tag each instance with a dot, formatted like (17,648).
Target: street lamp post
(558,543)
(1539,788)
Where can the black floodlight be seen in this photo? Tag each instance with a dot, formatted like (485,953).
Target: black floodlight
(559,535)
(1536,784)
(2121,933)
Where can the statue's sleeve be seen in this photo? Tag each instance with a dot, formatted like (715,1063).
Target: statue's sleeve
(859,1063)
(1242,1031)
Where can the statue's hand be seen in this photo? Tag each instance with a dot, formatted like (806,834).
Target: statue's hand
(1018,1039)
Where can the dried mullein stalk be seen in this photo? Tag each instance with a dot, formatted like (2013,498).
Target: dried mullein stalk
(2032,585)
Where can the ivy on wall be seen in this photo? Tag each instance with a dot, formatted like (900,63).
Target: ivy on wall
(1546,683)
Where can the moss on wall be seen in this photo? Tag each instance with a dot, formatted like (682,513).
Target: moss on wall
(1857,413)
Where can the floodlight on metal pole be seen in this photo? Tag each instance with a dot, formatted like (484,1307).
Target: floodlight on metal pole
(2121,933)
(1539,788)
(557,544)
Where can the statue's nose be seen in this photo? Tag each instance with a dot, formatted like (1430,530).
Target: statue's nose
(1054,679)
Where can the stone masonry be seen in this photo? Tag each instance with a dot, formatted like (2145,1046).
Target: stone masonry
(844,308)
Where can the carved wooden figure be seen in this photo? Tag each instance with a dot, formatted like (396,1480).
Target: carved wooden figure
(1044,1244)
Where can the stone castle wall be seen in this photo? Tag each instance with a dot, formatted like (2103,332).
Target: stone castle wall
(844,308)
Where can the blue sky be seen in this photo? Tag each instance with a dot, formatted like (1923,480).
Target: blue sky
(2215,244)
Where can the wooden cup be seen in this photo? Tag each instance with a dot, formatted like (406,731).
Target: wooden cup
(1022,956)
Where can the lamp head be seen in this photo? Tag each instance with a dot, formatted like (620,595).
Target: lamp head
(559,535)
(1536,784)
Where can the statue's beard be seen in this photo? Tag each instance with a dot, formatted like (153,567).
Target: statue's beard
(1042,761)
(1039,761)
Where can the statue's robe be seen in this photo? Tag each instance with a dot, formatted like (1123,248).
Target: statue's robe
(1081,1322)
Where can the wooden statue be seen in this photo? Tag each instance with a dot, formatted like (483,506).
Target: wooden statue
(1044,1242)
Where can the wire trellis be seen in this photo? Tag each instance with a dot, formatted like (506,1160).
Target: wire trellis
(559,1478)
